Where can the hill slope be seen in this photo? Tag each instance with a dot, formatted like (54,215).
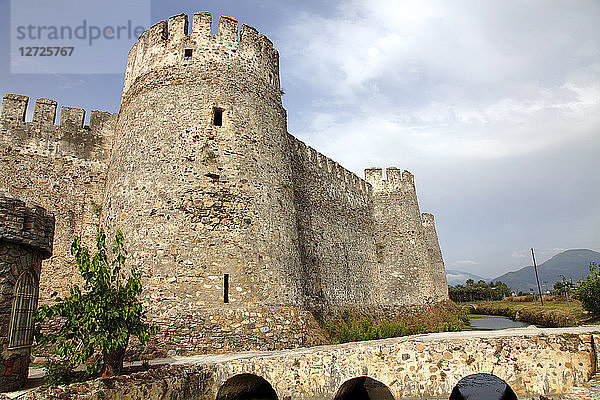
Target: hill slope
(570,263)
(455,277)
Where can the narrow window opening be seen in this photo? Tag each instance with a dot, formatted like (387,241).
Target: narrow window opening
(25,303)
(187,54)
(217,116)
(226,288)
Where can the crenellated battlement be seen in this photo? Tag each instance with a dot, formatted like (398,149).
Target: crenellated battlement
(69,137)
(170,43)
(329,166)
(395,179)
(428,220)
(14,108)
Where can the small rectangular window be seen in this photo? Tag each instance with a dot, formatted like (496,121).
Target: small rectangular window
(187,54)
(217,116)
(226,288)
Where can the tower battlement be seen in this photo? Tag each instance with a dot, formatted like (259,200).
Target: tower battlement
(395,179)
(70,137)
(328,166)
(428,219)
(169,43)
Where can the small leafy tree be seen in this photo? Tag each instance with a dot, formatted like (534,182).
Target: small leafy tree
(562,288)
(589,291)
(479,291)
(558,289)
(97,322)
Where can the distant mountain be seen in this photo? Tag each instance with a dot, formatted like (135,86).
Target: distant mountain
(571,263)
(455,277)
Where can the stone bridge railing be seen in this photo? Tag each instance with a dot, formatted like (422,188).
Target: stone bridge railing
(532,361)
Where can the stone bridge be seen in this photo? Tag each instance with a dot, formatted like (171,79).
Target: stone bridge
(532,361)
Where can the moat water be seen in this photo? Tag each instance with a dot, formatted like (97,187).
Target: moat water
(493,323)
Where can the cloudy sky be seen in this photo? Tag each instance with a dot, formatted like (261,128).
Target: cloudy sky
(493,105)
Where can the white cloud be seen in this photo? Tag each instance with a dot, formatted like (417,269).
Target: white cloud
(473,96)
(480,83)
(463,262)
(520,254)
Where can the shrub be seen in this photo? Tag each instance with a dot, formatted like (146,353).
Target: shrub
(589,291)
(59,371)
(96,322)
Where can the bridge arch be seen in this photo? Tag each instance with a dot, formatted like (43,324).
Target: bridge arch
(482,386)
(246,386)
(363,388)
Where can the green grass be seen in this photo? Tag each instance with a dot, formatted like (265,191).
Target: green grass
(355,327)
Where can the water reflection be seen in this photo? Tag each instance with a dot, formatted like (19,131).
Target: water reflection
(363,388)
(246,387)
(482,387)
(488,323)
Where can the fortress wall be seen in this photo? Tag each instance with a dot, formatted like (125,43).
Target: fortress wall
(60,167)
(438,272)
(335,231)
(357,235)
(401,244)
(186,195)
(68,139)
(206,330)
(200,200)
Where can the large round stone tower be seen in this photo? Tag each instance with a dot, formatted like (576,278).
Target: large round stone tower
(200,183)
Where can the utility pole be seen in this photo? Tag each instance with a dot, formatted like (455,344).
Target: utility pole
(537,277)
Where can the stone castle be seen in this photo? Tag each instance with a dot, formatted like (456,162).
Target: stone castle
(241,230)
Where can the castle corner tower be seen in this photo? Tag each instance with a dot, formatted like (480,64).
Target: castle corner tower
(200,173)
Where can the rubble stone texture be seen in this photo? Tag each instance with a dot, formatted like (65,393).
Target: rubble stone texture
(199,172)
(536,363)
(25,240)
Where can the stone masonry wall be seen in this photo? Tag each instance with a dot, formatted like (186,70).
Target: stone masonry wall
(336,231)
(357,235)
(30,226)
(532,363)
(61,167)
(438,272)
(14,260)
(201,330)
